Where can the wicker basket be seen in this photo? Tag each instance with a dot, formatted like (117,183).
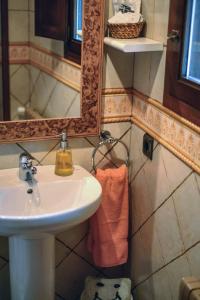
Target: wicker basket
(125,31)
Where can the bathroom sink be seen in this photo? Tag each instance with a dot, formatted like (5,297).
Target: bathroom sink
(31,213)
(48,204)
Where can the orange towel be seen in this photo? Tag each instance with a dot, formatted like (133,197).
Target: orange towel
(107,240)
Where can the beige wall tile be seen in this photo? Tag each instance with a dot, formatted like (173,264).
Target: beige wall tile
(176,271)
(187,205)
(160,286)
(161,16)
(72,237)
(140,266)
(117,70)
(157,75)
(157,181)
(5,283)
(144,291)
(70,276)
(148,12)
(194,260)
(151,244)
(168,231)
(142,203)
(142,69)
(176,170)
(9,156)
(61,252)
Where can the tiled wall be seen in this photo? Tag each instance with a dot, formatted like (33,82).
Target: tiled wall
(165,192)
(29,85)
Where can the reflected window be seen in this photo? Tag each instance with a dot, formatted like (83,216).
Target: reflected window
(77,32)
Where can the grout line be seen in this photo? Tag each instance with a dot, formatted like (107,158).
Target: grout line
(4,259)
(171,194)
(142,166)
(22,148)
(58,295)
(165,265)
(57,143)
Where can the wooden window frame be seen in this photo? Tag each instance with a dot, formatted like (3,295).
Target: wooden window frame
(180,95)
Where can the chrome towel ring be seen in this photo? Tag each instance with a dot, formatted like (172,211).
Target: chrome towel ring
(106,139)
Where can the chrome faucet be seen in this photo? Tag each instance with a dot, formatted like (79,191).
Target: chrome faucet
(26,168)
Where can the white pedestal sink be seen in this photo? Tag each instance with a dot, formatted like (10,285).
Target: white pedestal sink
(30,214)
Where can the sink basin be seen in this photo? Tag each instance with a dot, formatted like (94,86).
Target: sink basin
(31,213)
(51,203)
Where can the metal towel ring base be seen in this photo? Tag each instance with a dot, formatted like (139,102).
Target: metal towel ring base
(106,139)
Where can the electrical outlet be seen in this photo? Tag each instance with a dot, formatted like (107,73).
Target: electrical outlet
(148,142)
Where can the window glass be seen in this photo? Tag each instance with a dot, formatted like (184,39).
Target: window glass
(191,53)
(77,31)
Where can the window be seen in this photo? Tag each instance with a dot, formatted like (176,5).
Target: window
(182,80)
(61,20)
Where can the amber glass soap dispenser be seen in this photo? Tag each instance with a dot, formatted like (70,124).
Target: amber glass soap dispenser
(64,165)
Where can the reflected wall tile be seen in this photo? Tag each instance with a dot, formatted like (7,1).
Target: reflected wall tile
(19,85)
(187,205)
(18,26)
(18,5)
(43,89)
(176,271)
(168,231)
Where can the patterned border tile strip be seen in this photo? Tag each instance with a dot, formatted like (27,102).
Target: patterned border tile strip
(116,106)
(173,134)
(55,66)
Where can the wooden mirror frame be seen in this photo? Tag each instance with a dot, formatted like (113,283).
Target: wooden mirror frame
(91,79)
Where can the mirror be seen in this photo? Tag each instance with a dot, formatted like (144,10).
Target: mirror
(48,92)
(43,83)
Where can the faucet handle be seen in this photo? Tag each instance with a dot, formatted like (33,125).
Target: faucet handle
(25,160)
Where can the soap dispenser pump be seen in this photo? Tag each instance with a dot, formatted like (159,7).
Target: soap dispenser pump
(64,165)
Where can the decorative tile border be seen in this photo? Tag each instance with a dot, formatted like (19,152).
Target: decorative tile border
(175,133)
(61,69)
(115,106)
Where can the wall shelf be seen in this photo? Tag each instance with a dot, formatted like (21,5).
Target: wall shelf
(134,45)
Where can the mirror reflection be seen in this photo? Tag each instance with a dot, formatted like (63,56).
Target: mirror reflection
(44,58)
